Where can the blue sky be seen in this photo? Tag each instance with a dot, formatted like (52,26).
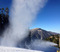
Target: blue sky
(48,18)
(5,3)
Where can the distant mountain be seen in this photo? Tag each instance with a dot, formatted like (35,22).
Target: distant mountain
(38,32)
(35,34)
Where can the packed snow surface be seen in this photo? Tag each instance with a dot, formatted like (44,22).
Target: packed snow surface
(10,49)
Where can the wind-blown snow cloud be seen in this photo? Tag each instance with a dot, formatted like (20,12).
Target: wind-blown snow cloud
(42,46)
(23,12)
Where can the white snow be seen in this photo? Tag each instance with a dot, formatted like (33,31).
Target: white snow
(11,49)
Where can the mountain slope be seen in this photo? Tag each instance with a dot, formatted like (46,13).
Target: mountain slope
(35,34)
(38,32)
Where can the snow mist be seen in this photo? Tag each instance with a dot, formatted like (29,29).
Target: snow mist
(23,12)
(41,45)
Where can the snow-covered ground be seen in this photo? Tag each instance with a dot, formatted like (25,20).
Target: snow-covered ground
(10,49)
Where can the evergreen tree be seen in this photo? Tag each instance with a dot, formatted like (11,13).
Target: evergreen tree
(7,11)
(4,19)
(2,10)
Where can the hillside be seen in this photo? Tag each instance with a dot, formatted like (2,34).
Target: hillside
(37,32)
(54,39)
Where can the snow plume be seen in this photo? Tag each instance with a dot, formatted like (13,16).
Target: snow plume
(42,46)
(23,12)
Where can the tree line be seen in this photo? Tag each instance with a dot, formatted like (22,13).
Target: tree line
(4,19)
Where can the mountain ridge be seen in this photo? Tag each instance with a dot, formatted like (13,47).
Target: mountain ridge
(39,32)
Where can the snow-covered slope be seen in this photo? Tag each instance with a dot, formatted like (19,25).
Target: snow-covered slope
(10,49)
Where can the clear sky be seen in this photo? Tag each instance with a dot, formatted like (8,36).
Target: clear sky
(48,18)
